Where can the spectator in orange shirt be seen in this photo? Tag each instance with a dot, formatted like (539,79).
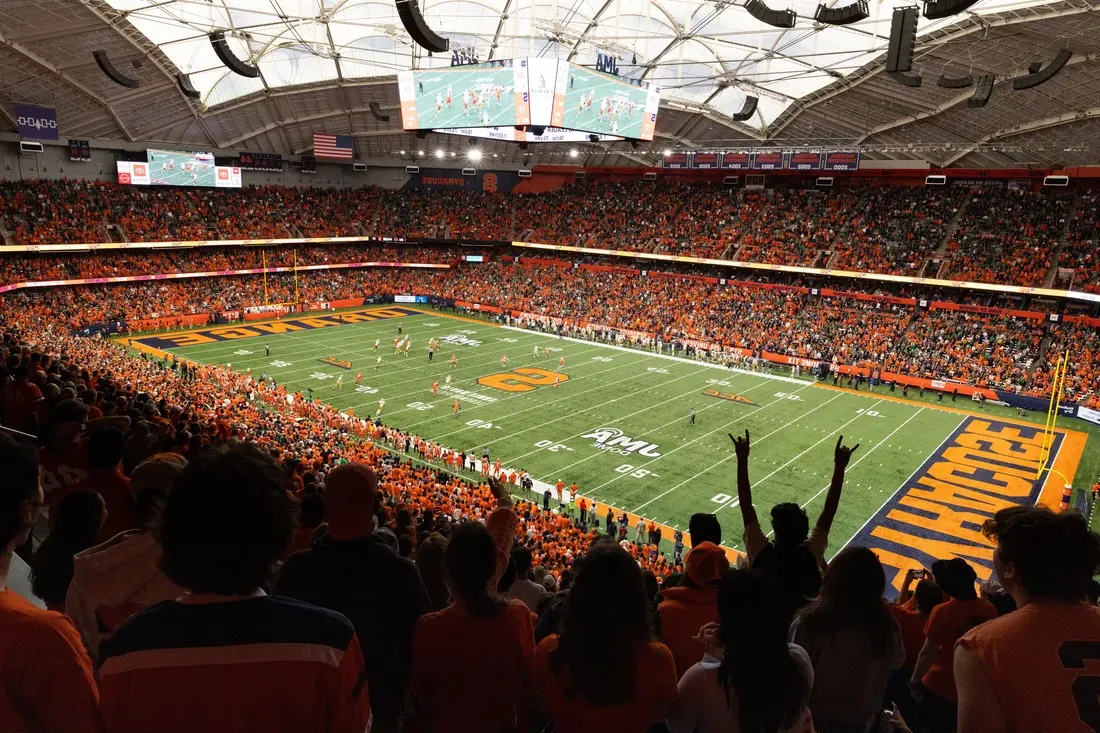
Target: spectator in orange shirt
(470,660)
(911,612)
(46,680)
(1030,669)
(80,516)
(605,671)
(688,607)
(19,399)
(105,478)
(933,680)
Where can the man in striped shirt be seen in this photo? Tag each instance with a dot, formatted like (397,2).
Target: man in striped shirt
(225,656)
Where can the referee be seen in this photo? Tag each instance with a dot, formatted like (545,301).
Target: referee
(691,416)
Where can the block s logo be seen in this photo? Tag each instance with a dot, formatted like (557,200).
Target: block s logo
(489,183)
(522,380)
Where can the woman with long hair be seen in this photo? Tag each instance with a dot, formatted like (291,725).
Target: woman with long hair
(470,660)
(853,640)
(80,516)
(605,670)
(431,563)
(750,679)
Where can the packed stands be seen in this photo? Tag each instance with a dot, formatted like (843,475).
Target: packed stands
(1007,236)
(1083,379)
(1081,252)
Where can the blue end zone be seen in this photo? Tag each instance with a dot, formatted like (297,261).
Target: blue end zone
(982,467)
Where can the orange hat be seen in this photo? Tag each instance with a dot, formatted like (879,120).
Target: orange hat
(706,563)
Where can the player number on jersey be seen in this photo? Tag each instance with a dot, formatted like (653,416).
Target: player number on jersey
(418,406)
(635,472)
(552,446)
(785,396)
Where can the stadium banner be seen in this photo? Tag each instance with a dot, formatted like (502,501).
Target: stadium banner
(1036,404)
(478,307)
(1088,414)
(768,161)
(736,161)
(804,160)
(346,303)
(36,123)
(677,161)
(444,179)
(984,466)
(706,161)
(842,160)
(273,310)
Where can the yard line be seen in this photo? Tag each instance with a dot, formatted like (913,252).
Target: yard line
(735,502)
(527,394)
(621,417)
(723,427)
(569,397)
(903,483)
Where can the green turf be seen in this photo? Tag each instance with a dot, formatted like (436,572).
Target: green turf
(794,426)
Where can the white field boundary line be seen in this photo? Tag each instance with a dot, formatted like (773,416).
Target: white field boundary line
(903,483)
(836,431)
(636,362)
(784,426)
(569,397)
(622,417)
(684,360)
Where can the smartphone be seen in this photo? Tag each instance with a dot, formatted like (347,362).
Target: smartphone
(920,573)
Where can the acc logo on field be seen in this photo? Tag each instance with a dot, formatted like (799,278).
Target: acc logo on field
(522,380)
(614,441)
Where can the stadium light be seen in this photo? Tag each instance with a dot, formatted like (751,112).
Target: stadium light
(573,153)
(402,152)
(474,154)
(667,152)
(439,152)
(452,153)
(419,152)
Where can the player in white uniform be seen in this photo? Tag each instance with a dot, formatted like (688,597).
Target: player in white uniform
(438,103)
(465,102)
(340,383)
(378,364)
(375,345)
(447,381)
(381,404)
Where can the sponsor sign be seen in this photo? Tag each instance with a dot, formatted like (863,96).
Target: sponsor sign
(614,440)
(842,160)
(37,123)
(736,161)
(982,467)
(803,160)
(767,161)
(1086,413)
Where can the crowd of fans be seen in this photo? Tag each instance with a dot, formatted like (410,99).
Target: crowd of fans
(1004,235)
(1007,235)
(992,351)
(223,554)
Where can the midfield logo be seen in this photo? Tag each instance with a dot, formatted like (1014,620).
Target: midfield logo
(613,441)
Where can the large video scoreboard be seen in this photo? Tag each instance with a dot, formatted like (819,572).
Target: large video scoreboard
(528,93)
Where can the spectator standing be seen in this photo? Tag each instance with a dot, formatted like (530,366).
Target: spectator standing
(105,448)
(470,660)
(429,561)
(911,611)
(688,607)
(80,517)
(226,656)
(311,511)
(605,671)
(524,589)
(1030,669)
(114,580)
(46,680)
(704,527)
(351,571)
(797,557)
(933,682)
(853,641)
(749,678)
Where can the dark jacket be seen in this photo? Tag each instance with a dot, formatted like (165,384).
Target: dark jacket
(382,595)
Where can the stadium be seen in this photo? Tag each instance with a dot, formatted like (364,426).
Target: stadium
(644,366)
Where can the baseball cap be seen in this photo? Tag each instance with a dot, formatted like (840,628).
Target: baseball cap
(706,563)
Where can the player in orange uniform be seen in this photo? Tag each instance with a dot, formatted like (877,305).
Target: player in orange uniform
(435,387)
(455,408)
(504,360)
(561,361)
(1034,669)
(358,379)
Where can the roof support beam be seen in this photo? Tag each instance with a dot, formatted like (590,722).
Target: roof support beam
(1008,132)
(51,69)
(595,22)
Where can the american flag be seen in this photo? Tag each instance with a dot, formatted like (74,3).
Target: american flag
(333,146)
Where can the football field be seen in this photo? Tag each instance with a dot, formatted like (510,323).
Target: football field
(616,422)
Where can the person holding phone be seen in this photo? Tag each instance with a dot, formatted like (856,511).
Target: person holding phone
(911,611)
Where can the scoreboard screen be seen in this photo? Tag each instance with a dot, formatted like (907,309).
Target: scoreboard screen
(602,103)
(176,168)
(477,95)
